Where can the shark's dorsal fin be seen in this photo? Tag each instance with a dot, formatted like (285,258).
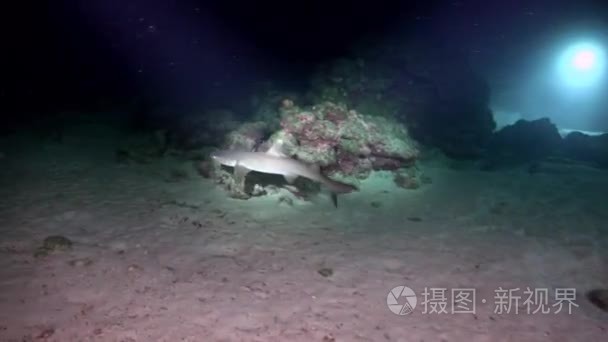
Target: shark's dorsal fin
(240,171)
(277,149)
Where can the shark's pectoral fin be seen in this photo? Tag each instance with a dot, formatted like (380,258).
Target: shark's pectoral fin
(334,199)
(240,172)
(290,178)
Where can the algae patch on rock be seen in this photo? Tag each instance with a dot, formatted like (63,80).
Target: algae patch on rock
(53,243)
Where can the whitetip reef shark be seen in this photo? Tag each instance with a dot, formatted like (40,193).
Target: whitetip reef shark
(274,161)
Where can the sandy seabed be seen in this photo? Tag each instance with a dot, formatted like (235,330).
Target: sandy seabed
(159,258)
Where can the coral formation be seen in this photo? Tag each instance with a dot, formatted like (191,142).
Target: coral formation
(522,142)
(52,244)
(530,142)
(269,101)
(247,136)
(591,149)
(443,102)
(406,181)
(344,141)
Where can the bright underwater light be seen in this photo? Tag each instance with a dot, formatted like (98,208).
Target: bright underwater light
(581,65)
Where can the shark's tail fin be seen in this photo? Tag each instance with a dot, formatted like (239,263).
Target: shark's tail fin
(337,187)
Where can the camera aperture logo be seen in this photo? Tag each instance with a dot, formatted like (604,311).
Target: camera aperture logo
(401,300)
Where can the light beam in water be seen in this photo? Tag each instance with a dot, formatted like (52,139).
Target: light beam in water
(581,65)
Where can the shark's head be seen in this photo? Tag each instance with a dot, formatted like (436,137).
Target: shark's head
(224,157)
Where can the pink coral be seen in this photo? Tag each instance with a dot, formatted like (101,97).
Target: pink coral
(347,141)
